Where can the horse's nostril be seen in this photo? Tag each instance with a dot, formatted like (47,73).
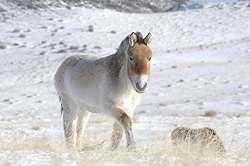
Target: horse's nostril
(139,89)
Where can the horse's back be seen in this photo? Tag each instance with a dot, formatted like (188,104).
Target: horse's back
(73,63)
(80,77)
(59,78)
(60,73)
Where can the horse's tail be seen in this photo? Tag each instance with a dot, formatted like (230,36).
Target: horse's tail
(60,76)
(61,104)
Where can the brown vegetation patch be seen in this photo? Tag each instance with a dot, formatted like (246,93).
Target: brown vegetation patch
(210,113)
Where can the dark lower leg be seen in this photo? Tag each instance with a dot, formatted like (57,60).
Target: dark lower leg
(126,122)
(116,135)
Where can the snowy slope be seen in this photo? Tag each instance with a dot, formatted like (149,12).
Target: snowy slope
(201,63)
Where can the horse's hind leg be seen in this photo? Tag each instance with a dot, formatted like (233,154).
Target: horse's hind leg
(70,113)
(116,135)
(81,123)
(121,116)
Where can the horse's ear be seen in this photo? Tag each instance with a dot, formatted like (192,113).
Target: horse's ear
(148,39)
(132,39)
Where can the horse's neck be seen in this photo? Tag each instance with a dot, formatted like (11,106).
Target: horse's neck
(126,89)
(123,74)
(123,47)
(124,79)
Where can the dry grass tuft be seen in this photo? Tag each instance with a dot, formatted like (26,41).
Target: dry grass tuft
(16,30)
(23,143)
(74,48)
(42,53)
(22,36)
(203,141)
(62,51)
(91,29)
(2,46)
(210,113)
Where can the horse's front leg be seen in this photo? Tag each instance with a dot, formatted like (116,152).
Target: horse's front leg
(121,116)
(116,135)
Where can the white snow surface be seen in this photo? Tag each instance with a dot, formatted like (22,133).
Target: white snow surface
(200,63)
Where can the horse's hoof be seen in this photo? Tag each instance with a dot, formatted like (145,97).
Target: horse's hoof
(132,147)
(94,147)
(114,148)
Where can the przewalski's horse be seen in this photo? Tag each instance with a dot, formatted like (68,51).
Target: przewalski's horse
(109,85)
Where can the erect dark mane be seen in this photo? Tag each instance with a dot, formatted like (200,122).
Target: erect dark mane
(125,43)
(139,38)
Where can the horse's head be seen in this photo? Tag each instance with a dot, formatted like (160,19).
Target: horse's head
(138,57)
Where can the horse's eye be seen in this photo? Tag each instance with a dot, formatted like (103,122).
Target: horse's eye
(130,58)
(149,59)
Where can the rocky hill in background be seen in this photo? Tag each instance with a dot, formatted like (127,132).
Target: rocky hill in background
(138,6)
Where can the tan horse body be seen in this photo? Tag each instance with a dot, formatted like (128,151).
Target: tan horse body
(109,85)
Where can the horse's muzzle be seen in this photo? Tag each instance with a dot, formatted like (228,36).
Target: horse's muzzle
(138,89)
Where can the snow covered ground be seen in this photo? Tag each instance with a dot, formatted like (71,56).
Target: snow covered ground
(200,64)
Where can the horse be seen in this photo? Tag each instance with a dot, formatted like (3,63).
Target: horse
(111,85)
(201,140)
